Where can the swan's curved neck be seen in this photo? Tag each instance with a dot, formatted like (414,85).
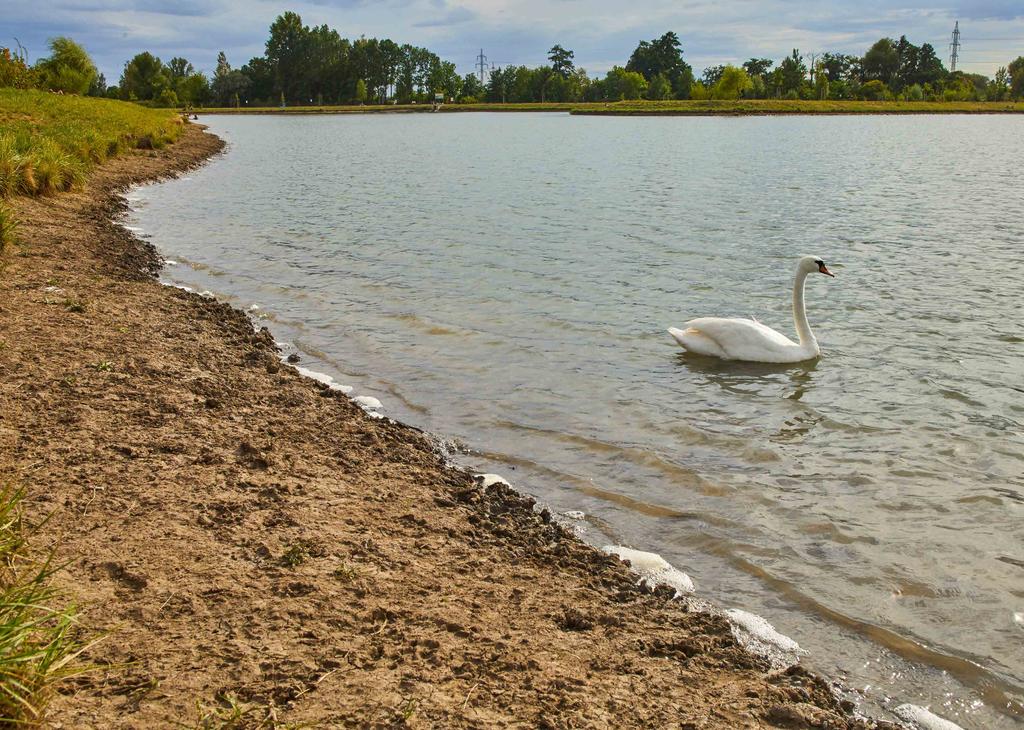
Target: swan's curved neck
(803,328)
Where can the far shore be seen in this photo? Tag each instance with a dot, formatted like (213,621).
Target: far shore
(742,107)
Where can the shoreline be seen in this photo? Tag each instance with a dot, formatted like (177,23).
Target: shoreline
(247,532)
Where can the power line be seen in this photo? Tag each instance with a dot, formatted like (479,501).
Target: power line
(481,62)
(954,47)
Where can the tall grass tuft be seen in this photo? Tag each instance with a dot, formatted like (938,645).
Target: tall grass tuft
(15,170)
(49,142)
(38,647)
(8,226)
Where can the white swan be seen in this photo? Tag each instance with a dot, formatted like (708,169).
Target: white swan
(748,339)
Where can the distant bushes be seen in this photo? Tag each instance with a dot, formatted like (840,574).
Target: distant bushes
(67,69)
(15,73)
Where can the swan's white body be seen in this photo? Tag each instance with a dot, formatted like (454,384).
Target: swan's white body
(748,339)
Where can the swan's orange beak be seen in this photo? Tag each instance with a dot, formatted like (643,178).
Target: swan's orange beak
(824,269)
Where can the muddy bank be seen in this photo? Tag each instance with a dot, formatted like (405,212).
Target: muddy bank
(249,536)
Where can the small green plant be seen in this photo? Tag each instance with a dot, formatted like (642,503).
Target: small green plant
(73,305)
(345,573)
(295,555)
(408,709)
(230,713)
(38,647)
(103,366)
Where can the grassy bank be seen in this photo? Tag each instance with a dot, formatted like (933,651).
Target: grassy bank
(752,107)
(50,142)
(36,630)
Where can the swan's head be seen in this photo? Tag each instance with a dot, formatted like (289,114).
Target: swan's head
(810,264)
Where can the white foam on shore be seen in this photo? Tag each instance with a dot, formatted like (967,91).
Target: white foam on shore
(169,262)
(653,568)
(325,379)
(574,514)
(759,636)
(924,718)
(487,480)
(367,402)
(1018,618)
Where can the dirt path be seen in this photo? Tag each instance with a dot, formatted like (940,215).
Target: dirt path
(243,532)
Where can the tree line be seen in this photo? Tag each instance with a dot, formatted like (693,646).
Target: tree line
(305,65)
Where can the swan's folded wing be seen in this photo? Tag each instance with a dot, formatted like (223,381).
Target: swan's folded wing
(742,339)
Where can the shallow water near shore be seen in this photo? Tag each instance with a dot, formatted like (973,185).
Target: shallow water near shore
(506,280)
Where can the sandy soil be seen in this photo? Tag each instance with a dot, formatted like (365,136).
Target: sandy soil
(243,532)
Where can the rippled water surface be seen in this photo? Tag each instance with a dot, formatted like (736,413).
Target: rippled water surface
(506,280)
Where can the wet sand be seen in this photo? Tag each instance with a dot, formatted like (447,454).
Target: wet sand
(244,532)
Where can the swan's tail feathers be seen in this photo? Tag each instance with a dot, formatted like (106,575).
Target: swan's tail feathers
(678,334)
(693,340)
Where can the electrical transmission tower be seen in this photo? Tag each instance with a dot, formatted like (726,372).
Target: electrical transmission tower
(481,62)
(954,47)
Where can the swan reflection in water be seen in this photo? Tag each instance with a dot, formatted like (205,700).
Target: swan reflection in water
(736,375)
(745,379)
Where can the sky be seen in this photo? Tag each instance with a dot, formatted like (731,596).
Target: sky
(602,33)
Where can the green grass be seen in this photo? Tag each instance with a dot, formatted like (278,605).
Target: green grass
(50,142)
(38,647)
(786,106)
(704,108)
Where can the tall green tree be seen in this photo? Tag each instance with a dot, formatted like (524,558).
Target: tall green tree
(561,61)
(445,79)
(837,66)
(792,72)
(189,87)
(144,78)
(472,88)
(732,83)
(68,68)
(929,66)
(659,88)
(663,55)
(229,85)
(500,84)
(287,49)
(622,84)
(1016,71)
(881,62)
(999,87)
(758,66)
(711,75)
(259,86)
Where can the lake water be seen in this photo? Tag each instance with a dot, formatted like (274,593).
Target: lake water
(506,280)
